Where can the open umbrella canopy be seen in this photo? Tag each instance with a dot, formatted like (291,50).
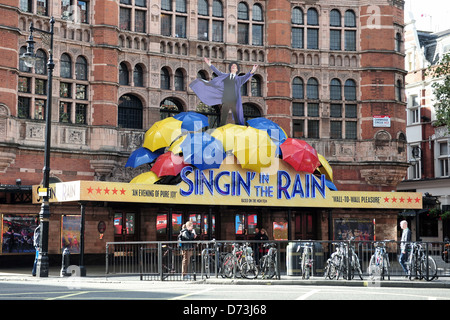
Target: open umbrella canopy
(141,156)
(227,133)
(300,155)
(273,129)
(162,133)
(146,178)
(192,121)
(254,149)
(168,164)
(175,147)
(202,150)
(325,167)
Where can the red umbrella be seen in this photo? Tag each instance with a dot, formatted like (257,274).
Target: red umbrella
(168,164)
(300,155)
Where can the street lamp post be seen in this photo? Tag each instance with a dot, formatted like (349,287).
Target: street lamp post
(29,59)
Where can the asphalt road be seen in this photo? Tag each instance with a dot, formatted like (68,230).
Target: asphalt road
(75,290)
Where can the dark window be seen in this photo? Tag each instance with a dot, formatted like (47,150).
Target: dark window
(257,34)
(80,113)
(217,9)
(299,128)
(123,74)
(24,84)
(81,92)
(335,18)
(336,110)
(217,31)
(139,20)
(125,19)
(312,89)
(335,39)
(350,111)
(179,80)
(165,79)
(138,76)
(350,129)
(180,27)
(65,110)
(41,7)
(166,5)
(350,90)
(41,63)
(130,112)
(257,14)
(203,8)
(243,33)
(313,38)
(65,90)
(313,109)
(350,19)
(297,88)
(203,29)
(40,86)
(350,40)
(297,16)
(251,111)
(297,38)
(81,69)
(24,108)
(181,6)
(166,25)
(256,86)
(26,5)
(170,107)
(313,128)
(312,17)
(66,66)
(22,66)
(335,90)
(242,11)
(39,109)
(298,109)
(141,3)
(336,129)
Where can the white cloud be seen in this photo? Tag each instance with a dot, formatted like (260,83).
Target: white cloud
(430,15)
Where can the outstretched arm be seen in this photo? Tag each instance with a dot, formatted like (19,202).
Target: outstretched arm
(255,67)
(214,69)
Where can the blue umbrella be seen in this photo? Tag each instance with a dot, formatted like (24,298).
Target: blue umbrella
(202,150)
(142,156)
(274,131)
(192,121)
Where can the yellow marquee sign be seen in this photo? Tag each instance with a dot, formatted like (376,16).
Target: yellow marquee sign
(232,185)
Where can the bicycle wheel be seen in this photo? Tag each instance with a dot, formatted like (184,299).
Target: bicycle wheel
(228,265)
(267,267)
(357,266)
(374,269)
(386,267)
(249,270)
(432,270)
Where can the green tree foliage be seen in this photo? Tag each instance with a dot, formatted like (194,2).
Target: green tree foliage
(441,72)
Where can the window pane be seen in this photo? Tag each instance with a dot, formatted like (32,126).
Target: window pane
(181,6)
(80,113)
(165,79)
(335,39)
(350,111)
(166,25)
(180,27)
(350,129)
(64,112)
(217,31)
(166,5)
(297,38)
(350,19)
(66,66)
(335,90)
(203,7)
(41,62)
(335,110)
(217,9)
(239,224)
(242,11)
(125,19)
(257,36)
(24,84)
(313,38)
(39,109)
(81,92)
(257,13)
(83,11)
(65,90)
(41,7)
(139,23)
(335,129)
(243,33)
(252,223)
(23,108)
(313,109)
(299,129)
(197,222)
(179,80)
(140,3)
(350,90)
(297,16)
(312,89)
(40,86)
(335,18)
(350,40)
(297,88)
(203,29)
(81,69)
(161,224)
(443,149)
(138,76)
(22,66)
(313,128)
(130,112)
(298,109)
(313,17)
(123,74)
(256,87)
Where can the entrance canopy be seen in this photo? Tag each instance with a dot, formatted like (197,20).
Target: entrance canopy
(278,186)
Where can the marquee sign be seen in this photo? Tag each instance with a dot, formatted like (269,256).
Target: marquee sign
(232,185)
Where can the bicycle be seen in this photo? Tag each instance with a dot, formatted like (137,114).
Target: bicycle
(333,263)
(307,261)
(208,257)
(168,262)
(379,264)
(421,265)
(268,263)
(349,253)
(240,262)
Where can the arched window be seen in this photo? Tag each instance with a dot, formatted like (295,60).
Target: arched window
(41,62)
(217,10)
(335,18)
(350,19)
(81,68)
(297,88)
(312,17)
(297,16)
(130,112)
(242,11)
(257,14)
(250,111)
(22,66)
(66,66)
(398,42)
(170,107)
(203,7)
(256,86)
(335,89)
(312,89)
(350,90)
(138,76)
(179,80)
(123,74)
(165,79)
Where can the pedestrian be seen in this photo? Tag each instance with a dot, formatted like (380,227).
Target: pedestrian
(187,249)
(404,245)
(36,241)
(225,89)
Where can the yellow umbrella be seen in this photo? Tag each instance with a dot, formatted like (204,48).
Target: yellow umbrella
(227,134)
(254,149)
(175,147)
(146,178)
(162,133)
(325,168)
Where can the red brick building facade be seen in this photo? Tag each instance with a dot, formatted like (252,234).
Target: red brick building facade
(330,72)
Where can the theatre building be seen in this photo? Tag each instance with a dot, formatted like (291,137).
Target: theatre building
(330,73)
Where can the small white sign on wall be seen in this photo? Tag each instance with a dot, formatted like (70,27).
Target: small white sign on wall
(381,121)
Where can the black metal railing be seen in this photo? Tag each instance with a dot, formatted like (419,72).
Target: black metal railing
(163,260)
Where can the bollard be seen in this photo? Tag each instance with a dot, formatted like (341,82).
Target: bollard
(65,262)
